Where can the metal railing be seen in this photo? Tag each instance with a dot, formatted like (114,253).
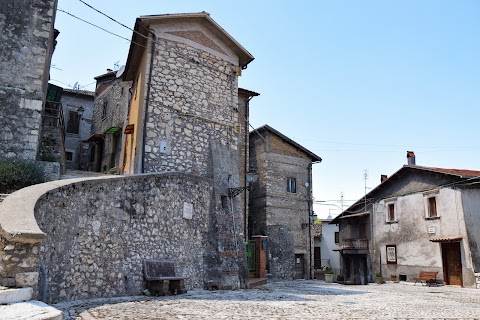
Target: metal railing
(355,243)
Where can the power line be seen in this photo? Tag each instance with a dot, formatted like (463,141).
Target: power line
(113,19)
(100,27)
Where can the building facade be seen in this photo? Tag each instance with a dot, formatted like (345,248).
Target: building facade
(28,38)
(112,96)
(77,112)
(419,219)
(281,202)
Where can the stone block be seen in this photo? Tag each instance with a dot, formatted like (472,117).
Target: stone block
(26,279)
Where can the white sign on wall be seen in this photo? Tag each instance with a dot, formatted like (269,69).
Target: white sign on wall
(187,210)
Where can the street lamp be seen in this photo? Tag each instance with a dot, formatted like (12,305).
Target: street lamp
(251,176)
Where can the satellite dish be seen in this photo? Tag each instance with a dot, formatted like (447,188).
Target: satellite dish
(120,71)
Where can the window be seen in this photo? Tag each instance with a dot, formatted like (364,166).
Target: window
(104,110)
(73,123)
(292,185)
(391,212)
(391,254)
(69,155)
(432,207)
(337,237)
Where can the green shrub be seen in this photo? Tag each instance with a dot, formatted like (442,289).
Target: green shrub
(328,271)
(17,174)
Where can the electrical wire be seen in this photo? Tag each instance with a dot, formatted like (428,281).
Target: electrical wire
(100,28)
(146,37)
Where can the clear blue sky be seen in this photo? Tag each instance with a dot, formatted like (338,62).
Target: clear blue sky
(357,82)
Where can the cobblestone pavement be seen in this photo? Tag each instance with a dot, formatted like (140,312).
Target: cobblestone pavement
(300,299)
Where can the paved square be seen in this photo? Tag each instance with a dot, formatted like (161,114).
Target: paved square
(300,299)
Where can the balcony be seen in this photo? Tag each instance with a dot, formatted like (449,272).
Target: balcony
(354,243)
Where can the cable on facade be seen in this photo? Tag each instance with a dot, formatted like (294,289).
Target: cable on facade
(100,27)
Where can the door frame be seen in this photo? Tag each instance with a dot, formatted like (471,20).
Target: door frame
(444,249)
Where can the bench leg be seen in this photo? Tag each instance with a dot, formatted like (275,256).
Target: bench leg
(159,287)
(177,287)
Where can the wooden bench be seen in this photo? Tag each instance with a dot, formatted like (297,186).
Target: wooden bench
(429,277)
(161,278)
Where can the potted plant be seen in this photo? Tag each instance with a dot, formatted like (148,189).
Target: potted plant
(378,278)
(328,275)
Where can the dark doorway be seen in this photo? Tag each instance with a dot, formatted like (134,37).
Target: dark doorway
(452,263)
(299,259)
(317,258)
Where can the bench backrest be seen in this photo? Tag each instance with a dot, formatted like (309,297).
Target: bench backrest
(428,274)
(153,269)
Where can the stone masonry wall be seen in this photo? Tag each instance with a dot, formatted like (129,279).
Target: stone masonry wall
(193,97)
(26,33)
(98,232)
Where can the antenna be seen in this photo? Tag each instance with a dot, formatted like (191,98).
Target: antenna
(365,175)
(76,86)
(341,200)
(116,66)
(120,71)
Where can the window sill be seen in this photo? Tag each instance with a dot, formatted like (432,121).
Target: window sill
(391,222)
(432,218)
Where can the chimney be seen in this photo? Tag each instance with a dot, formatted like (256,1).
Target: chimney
(410,158)
(383,177)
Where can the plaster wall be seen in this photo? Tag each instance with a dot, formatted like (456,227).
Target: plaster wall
(411,235)
(327,244)
(471,205)
(72,101)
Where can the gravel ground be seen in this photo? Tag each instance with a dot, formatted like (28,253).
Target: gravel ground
(300,299)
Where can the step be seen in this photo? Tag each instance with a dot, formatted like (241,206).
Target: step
(13,295)
(31,310)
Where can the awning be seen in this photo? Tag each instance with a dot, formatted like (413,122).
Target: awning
(355,215)
(446,239)
(95,137)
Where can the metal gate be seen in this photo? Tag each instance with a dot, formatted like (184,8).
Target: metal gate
(252,258)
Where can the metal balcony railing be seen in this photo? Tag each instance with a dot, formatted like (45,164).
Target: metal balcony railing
(355,243)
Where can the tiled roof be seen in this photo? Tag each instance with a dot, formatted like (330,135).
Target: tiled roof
(79,92)
(456,172)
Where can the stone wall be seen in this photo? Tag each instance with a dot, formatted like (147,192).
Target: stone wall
(276,213)
(98,232)
(192,102)
(26,30)
(115,93)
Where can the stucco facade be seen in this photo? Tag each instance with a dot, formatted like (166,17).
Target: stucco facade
(419,219)
(280,202)
(77,111)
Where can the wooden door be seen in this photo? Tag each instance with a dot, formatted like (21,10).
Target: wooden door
(452,263)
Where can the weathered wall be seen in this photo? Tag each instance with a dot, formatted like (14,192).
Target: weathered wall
(415,251)
(471,209)
(327,244)
(99,231)
(26,32)
(281,215)
(73,100)
(116,94)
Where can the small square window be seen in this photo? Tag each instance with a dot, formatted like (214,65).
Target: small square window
(337,237)
(73,122)
(391,254)
(292,185)
(69,155)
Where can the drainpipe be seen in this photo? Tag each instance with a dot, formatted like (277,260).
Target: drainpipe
(310,209)
(246,193)
(147,100)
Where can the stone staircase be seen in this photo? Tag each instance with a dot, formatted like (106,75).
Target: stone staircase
(16,304)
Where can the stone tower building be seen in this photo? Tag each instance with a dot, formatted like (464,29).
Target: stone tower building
(184,116)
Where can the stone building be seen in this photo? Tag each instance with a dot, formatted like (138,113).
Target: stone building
(77,112)
(418,219)
(184,116)
(112,96)
(28,40)
(281,201)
